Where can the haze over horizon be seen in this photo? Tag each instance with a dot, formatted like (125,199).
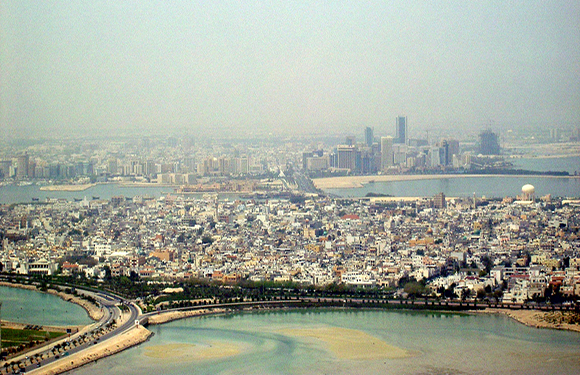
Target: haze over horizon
(105,67)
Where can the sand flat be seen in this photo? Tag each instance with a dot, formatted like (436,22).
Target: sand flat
(80,187)
(349,182)
(351,344)
(192,352)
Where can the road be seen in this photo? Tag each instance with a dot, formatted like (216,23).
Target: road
(305,184)
(98,332)
(111,302)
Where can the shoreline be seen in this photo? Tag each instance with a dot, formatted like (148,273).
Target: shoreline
(124,341)
(69,188)
(93,311)
(532,318)
(535,318)
(351,182)
(136,335)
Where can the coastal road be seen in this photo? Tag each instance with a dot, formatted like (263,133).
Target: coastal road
(305,184)
(109,303)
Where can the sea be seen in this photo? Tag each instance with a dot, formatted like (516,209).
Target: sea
(289,342)
(32,307)
(486,186)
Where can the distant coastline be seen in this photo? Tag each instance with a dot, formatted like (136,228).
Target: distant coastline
(81,187)
(351,182)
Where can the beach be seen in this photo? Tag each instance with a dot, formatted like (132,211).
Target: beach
(350,182)
(538,319)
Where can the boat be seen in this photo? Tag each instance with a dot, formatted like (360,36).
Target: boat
(35,199)
(95,197)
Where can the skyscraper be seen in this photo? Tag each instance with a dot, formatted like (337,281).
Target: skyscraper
(346,157)
(445,155)
(488,143)
(369,138)
(401,130)
(386,152)
(22,165)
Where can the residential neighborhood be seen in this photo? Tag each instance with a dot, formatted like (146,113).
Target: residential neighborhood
(502,249)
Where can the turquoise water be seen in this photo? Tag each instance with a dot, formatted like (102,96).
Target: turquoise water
(27,306)
(440,344)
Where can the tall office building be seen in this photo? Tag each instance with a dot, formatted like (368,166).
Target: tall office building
(22,165)
(346,157)
(5,166)
(488,143)
(401,130)
(369,137)
(445,154)
(439,201)
(386,152)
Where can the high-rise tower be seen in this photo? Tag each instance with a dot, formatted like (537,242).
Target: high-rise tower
(386,152)
(369,138)
(488,143)
(22,166)
(401,130)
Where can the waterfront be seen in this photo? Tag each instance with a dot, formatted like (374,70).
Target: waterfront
(284,342)
(32,307)
(488,186)
(570,164)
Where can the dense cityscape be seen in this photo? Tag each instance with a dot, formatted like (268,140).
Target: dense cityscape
(184,161)
(289,187)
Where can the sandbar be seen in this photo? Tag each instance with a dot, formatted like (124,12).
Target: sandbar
(192,352)
(169,316)
(538,319)
(351,344)
(80,187)
(349,182)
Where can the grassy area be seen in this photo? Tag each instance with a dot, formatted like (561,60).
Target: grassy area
(15,337)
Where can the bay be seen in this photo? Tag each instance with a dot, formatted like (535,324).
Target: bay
(488,186)
(24,194)
(32,307)
(570,164)
(282,343)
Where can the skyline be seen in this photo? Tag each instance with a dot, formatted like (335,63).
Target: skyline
(256,68)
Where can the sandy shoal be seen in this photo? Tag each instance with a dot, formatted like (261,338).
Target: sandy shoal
(81,187)
(134,336)
(351,344)
(169,316)
(349,182)
(191,352)
(535,318)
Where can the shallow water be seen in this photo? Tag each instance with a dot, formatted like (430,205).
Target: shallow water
(266,343)
(31,307)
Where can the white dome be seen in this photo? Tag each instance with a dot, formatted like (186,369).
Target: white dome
(528,189)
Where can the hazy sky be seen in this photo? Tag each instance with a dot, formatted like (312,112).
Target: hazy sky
(285,66)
